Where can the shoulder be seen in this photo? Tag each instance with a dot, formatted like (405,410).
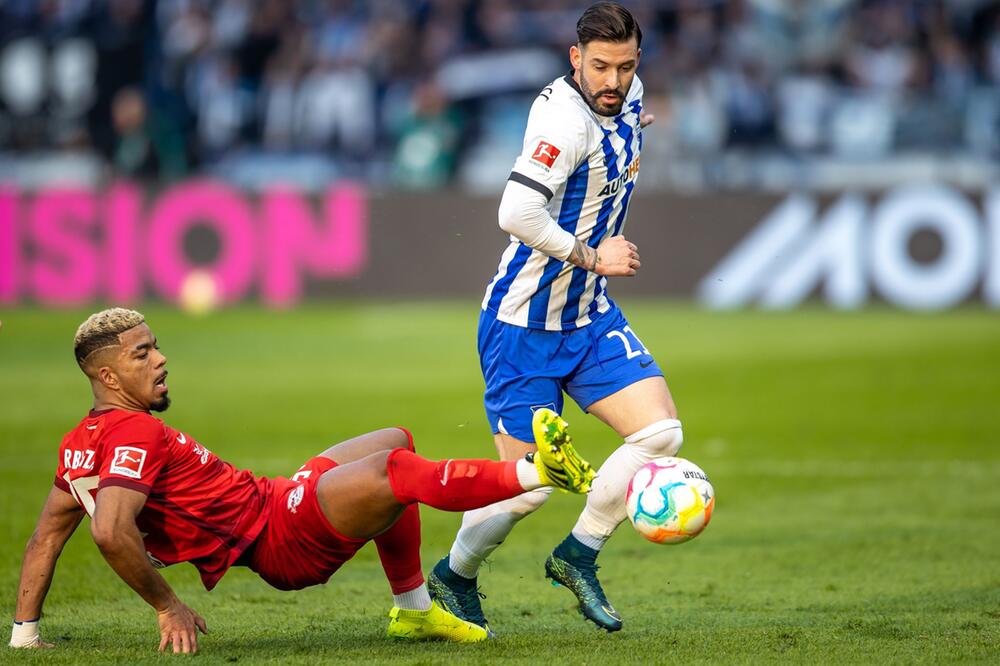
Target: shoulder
(568,103)
(133,427)
(70,437)
(560,112)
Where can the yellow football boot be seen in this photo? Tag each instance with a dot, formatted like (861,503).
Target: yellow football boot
(557,461)
(433,624)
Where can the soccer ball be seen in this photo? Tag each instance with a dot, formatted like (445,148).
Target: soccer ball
(669,500)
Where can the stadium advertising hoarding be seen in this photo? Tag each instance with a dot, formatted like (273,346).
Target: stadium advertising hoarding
(69,246)
(921,247)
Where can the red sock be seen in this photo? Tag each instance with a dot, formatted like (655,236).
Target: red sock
(399,549)
(451,485)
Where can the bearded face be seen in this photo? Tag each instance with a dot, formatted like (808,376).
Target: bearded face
(604,72)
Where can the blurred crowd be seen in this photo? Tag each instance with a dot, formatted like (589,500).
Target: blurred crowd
(421,93)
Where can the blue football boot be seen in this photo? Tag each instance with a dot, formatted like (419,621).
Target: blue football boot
(574,566)
(457,595)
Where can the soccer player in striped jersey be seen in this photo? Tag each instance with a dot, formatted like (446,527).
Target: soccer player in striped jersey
(547,323)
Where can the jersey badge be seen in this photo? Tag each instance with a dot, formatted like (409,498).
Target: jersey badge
(128,461)
(545,154)
(295,498)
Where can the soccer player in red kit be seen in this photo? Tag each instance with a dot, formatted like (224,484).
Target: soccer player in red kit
(157,497)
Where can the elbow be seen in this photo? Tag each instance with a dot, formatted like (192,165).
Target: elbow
(520,220)
(522,212)
(507,218)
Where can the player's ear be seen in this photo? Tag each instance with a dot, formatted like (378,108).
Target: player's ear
(108,377)
(575,57)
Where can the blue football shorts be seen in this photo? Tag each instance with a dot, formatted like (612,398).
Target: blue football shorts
(526,368)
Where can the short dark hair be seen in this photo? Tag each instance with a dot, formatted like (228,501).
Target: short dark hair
(607,22)
(102,329)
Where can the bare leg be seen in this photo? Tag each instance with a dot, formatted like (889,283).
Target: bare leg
(512,448)
(363,498)
(363,446)
(356,496)
(644,415)
(399,544)
(636,406)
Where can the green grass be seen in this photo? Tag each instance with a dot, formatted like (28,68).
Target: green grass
(856,460)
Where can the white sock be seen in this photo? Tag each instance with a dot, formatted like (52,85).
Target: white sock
(605,509)
(483,530)
(527,475)
(416,599)
(595,542)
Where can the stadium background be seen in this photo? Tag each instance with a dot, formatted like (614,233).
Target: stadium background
(819,223)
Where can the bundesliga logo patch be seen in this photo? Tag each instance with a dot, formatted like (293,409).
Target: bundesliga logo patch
(545,154)
(128,462)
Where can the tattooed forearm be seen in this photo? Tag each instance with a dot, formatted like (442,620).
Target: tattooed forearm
(584,256)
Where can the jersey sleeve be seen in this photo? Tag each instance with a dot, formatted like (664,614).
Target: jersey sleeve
(60,482)
(62,466)
(134,454)
(555,143)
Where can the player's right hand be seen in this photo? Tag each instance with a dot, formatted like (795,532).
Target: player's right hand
(179,626)
(617,257)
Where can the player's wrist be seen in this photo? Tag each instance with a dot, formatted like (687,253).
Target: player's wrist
(24,634)
(585,257)
(171,605)
(163,608)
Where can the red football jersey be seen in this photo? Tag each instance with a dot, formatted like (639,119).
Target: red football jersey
(199,509)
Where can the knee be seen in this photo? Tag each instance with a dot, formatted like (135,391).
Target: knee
(531,500)
(380,462)
(663,438)
(404,438)
(513,509)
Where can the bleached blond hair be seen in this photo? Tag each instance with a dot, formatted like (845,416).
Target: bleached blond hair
(102,329)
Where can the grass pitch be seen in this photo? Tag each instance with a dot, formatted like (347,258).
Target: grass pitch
(856,460)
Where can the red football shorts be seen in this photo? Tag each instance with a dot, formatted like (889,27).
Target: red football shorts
(298,547)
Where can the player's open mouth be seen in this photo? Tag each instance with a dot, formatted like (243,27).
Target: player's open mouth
(161,382)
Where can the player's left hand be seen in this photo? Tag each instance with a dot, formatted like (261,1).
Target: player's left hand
(646,119)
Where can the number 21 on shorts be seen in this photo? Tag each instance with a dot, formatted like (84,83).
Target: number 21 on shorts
(623,335)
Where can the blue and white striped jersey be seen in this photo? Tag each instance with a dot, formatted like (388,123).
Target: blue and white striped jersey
(586,164)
